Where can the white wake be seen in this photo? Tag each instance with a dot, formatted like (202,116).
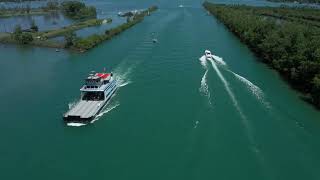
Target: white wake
(123,76)
(256,91)
(227,87)
(105,111)
(252,87)
(204,88)
(75,124)
(203,61)
(72,104)
(219,60)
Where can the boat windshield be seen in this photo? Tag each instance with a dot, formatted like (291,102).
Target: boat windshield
(93,96)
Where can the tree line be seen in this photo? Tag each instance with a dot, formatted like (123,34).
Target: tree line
(289,46)
(298,1)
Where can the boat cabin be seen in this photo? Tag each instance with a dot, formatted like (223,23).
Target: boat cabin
(95,85)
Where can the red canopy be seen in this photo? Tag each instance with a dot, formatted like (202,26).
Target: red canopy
(103,75)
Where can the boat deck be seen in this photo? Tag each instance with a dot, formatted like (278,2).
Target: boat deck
(84,109)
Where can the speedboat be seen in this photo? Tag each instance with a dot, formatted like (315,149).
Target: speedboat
(208,54)
(95,93)
(154,40)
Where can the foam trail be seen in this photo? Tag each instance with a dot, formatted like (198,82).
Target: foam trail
(203,61)
(196,124)
(243,117)
(219,60)
(106,110)
(245,121)
(204,88)
(256,91)
(76,124)
(122,77)
(124,83)
(71,104)
(226,85)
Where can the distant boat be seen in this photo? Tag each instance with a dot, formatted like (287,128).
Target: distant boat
(104,21)
(208,54)
(181,6)
(154,40)
(57,50)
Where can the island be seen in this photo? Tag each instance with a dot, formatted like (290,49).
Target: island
(287,39)
(83,16)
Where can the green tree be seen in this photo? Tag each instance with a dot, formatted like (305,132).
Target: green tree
(70,39)
(33,26)
(17,33)
(52,5)
(28,8)
(78,10)
(316,90)
(26,38)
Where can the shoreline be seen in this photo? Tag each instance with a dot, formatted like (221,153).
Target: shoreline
(260,35)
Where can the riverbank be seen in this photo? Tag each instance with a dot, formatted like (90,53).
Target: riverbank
(291,45)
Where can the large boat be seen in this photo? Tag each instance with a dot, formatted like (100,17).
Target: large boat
(95,93)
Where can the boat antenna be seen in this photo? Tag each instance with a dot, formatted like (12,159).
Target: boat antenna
(104,69)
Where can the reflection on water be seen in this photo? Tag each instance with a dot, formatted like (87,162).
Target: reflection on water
(45,22)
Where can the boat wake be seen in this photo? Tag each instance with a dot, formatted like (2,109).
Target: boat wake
(196,124)
(76,124)
(219,60)
(203,61)
(227,87)
(204,88)
(71,104)
(245,121)
(256,91)
(122,77)
(107,109)
(253,88)
(124,83)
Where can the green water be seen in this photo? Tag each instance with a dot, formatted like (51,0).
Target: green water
(162,123)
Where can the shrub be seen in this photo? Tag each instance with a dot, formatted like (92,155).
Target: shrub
(33,26)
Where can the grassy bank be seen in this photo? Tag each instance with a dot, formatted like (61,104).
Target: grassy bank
(73,27)
(286,39)
(7,38)
(42,38)
(87,43)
